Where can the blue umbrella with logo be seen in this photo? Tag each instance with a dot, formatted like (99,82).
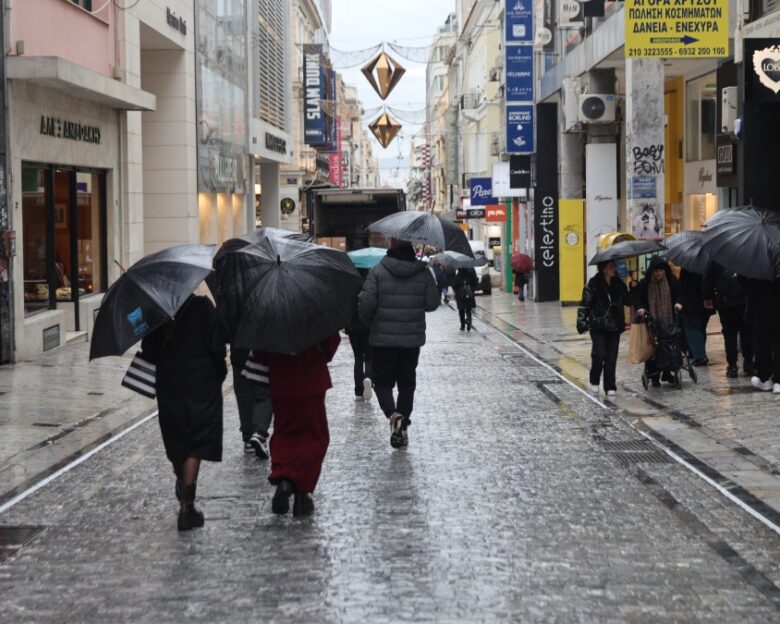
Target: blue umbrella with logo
(148,295)
(367,258)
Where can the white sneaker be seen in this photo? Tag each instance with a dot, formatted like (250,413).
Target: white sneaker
(259,443)
(594,389)
(367,391)
(764,386)
(776,388)
(611,393)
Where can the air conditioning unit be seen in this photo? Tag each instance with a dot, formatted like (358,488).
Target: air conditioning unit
(570,103)
(597,108)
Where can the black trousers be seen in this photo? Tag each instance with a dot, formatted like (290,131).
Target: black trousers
(396,366)
(736,334)
(766,342)
(603,358)
(465,316)
(363,358)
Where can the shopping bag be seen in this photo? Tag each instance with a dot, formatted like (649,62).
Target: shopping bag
(640,345)
(141,377)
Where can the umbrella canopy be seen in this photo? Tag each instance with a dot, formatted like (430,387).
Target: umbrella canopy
(451,261)
(686,251)
(746,241)
(283,296)
(626,249)
(148,295)
(522,263)
(367,258)
(417,226)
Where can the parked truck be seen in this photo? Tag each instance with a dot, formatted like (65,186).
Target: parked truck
(340,217)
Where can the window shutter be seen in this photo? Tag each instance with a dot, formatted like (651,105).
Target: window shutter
(271,62)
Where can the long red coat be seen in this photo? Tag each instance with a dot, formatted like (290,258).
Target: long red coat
(305,374)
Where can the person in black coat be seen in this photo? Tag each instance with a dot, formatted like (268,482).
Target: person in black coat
(358,333)
(189,352)
(464,285)
(521,280)
(601,312)
(725,292)
(762,314)
(696,317)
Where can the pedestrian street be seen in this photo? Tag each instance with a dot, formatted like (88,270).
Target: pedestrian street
(518,499)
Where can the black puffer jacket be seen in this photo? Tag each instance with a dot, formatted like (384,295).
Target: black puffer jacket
(395,297)
(602,306)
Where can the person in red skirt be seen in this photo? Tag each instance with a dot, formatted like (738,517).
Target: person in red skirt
(300,440)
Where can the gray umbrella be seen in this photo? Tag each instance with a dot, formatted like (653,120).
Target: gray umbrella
(417,226)
(451,261)
(627,249)
(283,296)
(686,251)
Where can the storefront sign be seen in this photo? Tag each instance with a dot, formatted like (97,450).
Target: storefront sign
(520,73)
(336,176)
(275,143)
(482,192)
(700,177)
(519,171)
(64,129)
(176,22)
(460,213)
(570,12)
(762,70)
(501,187)
(519,18)
(677,28)
(726,161)
(314,119)
(494,241)
(519,128)
(546,252)
(496,214)
(475,213)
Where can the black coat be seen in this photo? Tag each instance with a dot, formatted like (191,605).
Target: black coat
(190,356)
(602,306)
(725,288)
(692,288)
(463,277)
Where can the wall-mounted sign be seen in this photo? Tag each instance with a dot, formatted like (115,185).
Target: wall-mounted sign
(275,143)
(287,205)
(643,187)
(314,118)
(546,235)
(679,29)
(520,73)
(570,12)
(519,18)
(762,70)
(460,213)
(520,128)
(475,213)
(700,177)
(176,22)
(726,161)
(496,214)
(64,129)
(494,241)
(519,171)
(482,192)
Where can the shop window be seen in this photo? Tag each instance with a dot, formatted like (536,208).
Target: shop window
(701,118)
(85,4)
(63,237)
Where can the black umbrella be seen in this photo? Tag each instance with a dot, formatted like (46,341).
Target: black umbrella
(148,295)
(417,226)
(451,261)
(283,296)
(239,242)
(627,249)
(686,251)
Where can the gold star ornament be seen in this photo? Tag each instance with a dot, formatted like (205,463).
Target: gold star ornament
(385,128)
(383,73)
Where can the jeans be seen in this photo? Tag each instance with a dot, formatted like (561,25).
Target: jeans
(254,405)
(396,366)
(363,356)
(695,328)
(603,357)
(465,317)
(736,335)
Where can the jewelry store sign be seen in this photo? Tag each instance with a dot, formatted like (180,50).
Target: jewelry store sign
(677,28)
(65,129)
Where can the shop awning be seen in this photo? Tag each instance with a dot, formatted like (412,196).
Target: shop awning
(59,74)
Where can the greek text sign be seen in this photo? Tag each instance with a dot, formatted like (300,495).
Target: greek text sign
(64,129)
(677,28)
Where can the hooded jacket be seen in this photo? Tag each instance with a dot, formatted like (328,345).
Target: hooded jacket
(638,294)
(395,297)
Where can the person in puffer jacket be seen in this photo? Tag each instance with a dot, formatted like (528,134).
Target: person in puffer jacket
(395,297)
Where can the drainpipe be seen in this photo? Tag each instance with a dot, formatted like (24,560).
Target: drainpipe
(7,235)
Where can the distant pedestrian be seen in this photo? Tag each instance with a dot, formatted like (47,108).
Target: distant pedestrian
(395,297)
(659,294)
(300,440)
(464,285)
(362,351)
(254,403)
(189,352)
(521,280)
(725,292)
(762,314)
(441,279)
(601,313)
(696,317)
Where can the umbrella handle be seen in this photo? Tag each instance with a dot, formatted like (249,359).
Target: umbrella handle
(119,264)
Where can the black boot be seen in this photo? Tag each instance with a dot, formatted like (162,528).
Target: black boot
(732,372)
(280,503)
(303,505)
(189,517)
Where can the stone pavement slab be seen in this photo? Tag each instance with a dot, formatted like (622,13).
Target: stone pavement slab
(505,507)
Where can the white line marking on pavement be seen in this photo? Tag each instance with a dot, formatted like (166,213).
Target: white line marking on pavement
(55,475)
(758,516)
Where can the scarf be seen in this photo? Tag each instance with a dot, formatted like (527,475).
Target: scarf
(659,298)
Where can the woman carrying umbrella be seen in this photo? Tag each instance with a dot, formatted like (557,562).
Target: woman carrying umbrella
(601,313)
(464,285)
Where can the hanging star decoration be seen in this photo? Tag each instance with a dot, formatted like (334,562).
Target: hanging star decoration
(385,128)
(383,73)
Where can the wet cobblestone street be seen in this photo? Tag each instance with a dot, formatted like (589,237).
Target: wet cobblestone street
(518,499)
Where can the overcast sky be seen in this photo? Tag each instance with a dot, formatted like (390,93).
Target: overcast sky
(360,24)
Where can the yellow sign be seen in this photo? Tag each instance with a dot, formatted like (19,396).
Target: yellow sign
(677,28)
(571,222)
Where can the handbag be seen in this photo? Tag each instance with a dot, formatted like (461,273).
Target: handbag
(141,377)
(640,345)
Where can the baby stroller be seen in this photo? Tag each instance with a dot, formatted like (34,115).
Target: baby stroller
(671,352)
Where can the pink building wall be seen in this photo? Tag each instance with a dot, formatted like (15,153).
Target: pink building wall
(61,28)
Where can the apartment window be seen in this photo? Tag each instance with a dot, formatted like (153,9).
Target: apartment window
(272,62)
(85,4)
(701,123)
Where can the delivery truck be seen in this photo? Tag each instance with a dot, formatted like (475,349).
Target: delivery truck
(340,218)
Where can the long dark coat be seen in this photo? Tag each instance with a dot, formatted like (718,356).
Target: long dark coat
(190,356)
(463,277)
